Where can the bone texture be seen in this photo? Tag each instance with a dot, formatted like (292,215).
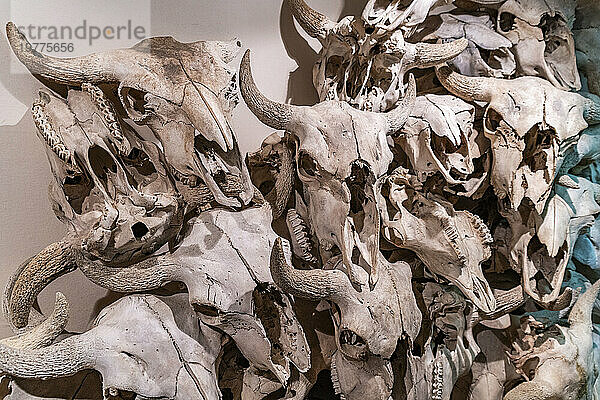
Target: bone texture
(429,229)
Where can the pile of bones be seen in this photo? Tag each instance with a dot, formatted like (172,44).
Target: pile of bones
(428,230)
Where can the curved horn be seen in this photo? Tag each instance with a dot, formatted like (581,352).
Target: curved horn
(270,113)
(465,87)
(148,274)
(531,391)
(44,334)
(591,112)
(63,70)
(28,281)
(581,313)
(425,55)
(313,284)
(398,116)
(314,23)
(65,358)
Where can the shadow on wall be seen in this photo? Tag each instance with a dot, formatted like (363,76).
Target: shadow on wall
(300,90)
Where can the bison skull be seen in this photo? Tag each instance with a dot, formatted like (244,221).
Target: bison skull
(183,91)
(368,324)
(452,244)
(341,153)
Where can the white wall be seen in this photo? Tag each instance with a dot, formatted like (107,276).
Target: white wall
(282,60)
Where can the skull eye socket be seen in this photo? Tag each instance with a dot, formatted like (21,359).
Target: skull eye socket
(134,102)
(492,120)
(506,21)
(352,345)
(307,167)
(206,310)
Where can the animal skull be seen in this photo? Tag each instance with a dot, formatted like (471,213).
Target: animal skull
(526,137)
(439,138)
(341,152)
(452,244)
(557,363)
(367,324)
(183,91)
(362,65)
(454,357)
(110,187)
(488,52)
(540,32)
(388,15)
(229,286)
(137,347)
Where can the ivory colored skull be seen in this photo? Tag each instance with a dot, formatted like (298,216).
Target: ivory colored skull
(388,15)
(451,243)
(488,53)
(453,358)
(540,31)
(439,138)
(94,164)
(229,286)
(529,123)
(184,92)
(341,152)
(527,120)
(368,324)
(557,363)
(136,346)
(363,62)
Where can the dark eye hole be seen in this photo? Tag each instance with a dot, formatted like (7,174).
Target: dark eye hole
(206,309)
(352,345)
(506,21)
(134,103)
(492,120)
(307,165)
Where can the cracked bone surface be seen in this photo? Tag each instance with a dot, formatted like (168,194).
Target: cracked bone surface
(341,153)
(363,61)
(393,241)
(136,346)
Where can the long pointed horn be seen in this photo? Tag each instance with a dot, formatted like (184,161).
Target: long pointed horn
(314,284)
(531,391)
(65,358)
(425,55)
(591,112)
(270,113)
(62,70)
(148,274)
(465,87)
(28,281)
(581,313)
(45,333)
(399,115)
(314,23)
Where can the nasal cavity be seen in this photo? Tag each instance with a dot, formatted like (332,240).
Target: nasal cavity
(101,162)
(139,229)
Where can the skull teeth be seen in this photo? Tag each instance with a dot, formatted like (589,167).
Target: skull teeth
(108,113)
(452,234)
(481,228)
(335,380)
(51,137)
(188,180)
(437,386)
(300,241)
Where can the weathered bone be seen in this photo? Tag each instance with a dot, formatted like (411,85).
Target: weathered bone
(191,108)
(564,357)
(115,347)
